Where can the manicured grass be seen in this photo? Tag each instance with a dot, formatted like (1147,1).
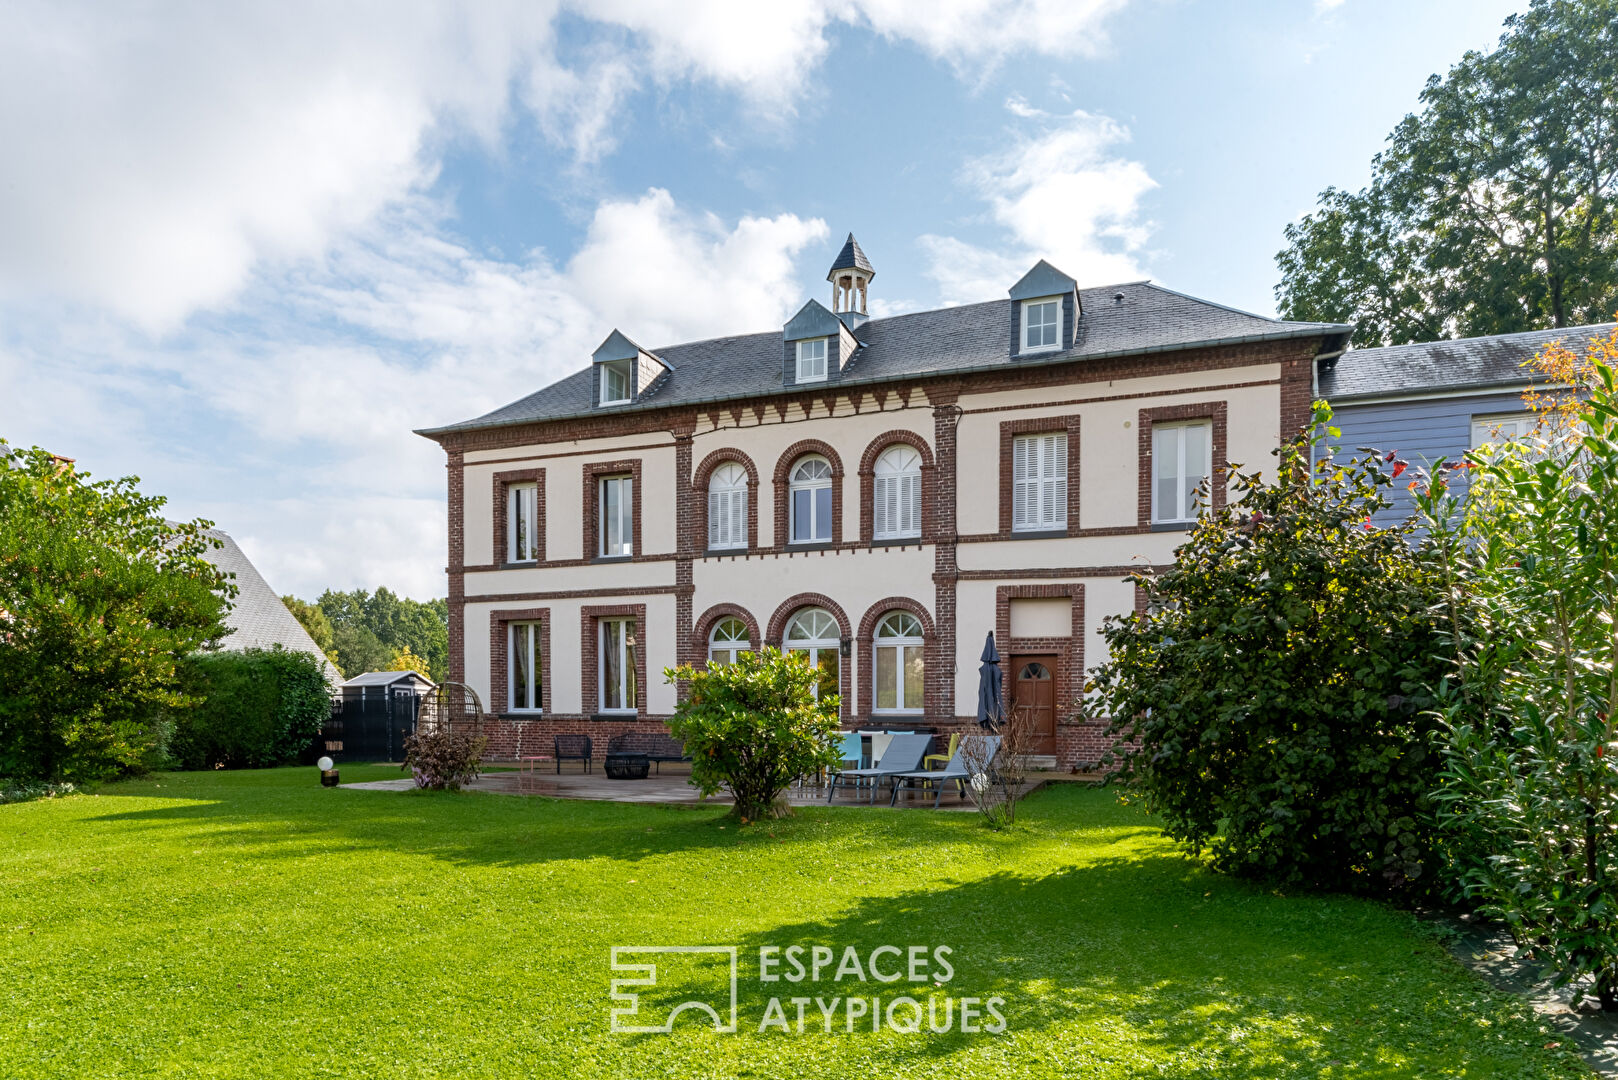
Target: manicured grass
(253,924)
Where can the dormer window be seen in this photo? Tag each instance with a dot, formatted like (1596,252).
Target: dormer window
(615,382)
(1042,324)
(812,360)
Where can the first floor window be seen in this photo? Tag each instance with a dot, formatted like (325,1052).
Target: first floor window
(1039,482)
(728,641)
(618,690)
(727,507)
(896,494)
(1041,322)
(899,667)
(810,492)
(812,360)
(1180,454)
(522,523)
(813,634)
(617,515)
(523,649)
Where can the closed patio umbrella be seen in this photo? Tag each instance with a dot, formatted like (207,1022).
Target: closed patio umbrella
(991,704)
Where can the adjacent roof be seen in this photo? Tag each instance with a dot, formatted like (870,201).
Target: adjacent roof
(387,678)
(1119,320)
(1441,366)
(259,620)
(851,258)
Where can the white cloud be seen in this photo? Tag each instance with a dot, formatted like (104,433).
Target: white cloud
(1064,194)
(970,32)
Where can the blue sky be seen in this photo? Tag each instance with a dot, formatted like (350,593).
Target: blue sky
(245,249)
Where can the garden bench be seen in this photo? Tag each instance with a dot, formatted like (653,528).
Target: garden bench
(656,748)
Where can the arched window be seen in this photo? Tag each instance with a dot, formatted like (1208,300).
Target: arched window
(727,507)
(814,633)
(896,495)
(728,641)
(811,501)
(898,666)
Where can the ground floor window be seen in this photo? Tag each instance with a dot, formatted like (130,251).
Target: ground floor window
(618,690)
(814,634)
(898,666)
(728,641)
(522,647)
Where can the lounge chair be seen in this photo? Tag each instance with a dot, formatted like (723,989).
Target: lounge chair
(983,753)
(903,754)
(942,759)
(573,748)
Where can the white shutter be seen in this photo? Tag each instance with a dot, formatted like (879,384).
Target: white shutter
(738,517)
(1039,482)
(910,505)
(1020,483)
(882,519)
(1058,482)
(716,502)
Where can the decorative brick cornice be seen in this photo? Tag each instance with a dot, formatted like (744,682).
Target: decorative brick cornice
(783,489)
(500,662)
(593,473)
(1214,411)
(502,484)
(1042,425)
(929,496)
(590,653)
(699,494)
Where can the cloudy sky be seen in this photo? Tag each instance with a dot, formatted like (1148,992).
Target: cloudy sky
(246,248)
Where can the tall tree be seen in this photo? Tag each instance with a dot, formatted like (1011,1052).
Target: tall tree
(314,620)
(369,628)
(1492,209)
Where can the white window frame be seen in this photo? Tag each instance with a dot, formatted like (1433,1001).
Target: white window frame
(896,494)
(1502,427)
(1159,517)
(535,682)
(522,516)
(732,646)
(626,369)
(625,523)
(812,355)
(795,485)
(727,507)
(1028,307)
(813,647)
(900,644)
(628,686)
(1039,482)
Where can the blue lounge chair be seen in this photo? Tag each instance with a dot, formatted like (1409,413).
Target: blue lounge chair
(903,754)
(980,750)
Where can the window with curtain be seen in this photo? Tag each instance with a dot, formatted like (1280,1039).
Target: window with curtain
(1039,482)
(617,510)
(727,507)
(814,635)
(728,640)
(810,495)
(522,652)
(896,494)
(618,692)
(1180,455)
(522,522)
(898,667)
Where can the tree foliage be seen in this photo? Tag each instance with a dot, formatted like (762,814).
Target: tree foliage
(1492,209)
(1530,717)
(753,727)
(368,630)
(101,600)
(1273,687)
(315,622)
(254,708)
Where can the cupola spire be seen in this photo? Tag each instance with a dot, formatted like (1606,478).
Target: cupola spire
(850,273)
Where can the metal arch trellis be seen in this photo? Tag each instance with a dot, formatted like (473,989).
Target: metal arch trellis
(451,707)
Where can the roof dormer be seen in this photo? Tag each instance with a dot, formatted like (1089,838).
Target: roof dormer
(818,346)
(623,371)
(1045,311)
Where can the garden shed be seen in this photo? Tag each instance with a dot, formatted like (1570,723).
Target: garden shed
(374,714)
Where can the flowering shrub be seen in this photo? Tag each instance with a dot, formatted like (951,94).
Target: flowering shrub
(443,759)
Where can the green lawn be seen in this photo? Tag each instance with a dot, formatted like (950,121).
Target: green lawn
(253,924)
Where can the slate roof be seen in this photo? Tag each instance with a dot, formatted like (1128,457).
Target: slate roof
(259,620)
(1439,366)
(851,258)
(1133,319)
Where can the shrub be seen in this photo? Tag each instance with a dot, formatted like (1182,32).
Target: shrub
(443,759)
(753,727)
(1530,783)
(15,791)
(101,600)
(256,708)
(1274,684)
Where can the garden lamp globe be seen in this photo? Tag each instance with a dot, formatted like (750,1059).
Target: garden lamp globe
(325,764)
(328,771)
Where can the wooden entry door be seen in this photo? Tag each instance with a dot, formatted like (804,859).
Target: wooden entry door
(1033,688)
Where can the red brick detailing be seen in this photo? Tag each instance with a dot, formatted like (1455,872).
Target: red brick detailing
(590,653)
(502,482)
(792,605)
(594,471)
(705,623)
(1199,410)
(783,488)
(933,671)
(509,736)
(1069,650)
(946,571)
(499,662)
(699,497)
(929,495)
(1044,425)
(1297,395)
(685,542)
(457,559)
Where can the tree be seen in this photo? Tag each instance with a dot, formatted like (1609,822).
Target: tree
(383,622)
(319,627)
(405,660)
(754,727)
(254,708)
(1270,699)
(1491,210)
(101,600)
(359,650)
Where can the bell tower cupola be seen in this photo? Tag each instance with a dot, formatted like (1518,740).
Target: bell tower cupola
(850,273)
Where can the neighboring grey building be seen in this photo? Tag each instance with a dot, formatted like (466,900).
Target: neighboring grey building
(259,620)
(1436,400)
